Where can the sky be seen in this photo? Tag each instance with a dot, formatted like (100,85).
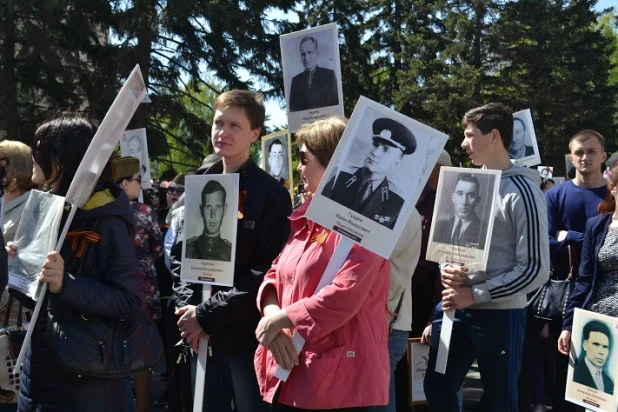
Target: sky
(277,115)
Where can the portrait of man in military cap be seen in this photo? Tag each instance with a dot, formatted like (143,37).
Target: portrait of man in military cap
(209,245)
(368,189)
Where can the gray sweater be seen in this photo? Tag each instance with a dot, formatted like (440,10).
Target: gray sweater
(518,260)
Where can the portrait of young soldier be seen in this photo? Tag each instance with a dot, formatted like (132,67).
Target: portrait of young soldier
(463,227)
(518,147)
(596,349)
(368,189)
(209,245)
(315,86)
(276,161)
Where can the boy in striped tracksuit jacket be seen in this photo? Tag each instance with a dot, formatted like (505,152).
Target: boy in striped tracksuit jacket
(490,320)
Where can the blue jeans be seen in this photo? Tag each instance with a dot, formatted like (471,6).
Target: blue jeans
(230,377)
(397,347)
(495,339)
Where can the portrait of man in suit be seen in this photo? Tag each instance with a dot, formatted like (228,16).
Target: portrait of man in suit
(596,349)
(276,160)
(463,227)
(316,86)
(368,190)
(209,245)
(518,147)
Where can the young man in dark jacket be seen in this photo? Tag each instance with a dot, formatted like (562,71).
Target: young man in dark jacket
(230,316)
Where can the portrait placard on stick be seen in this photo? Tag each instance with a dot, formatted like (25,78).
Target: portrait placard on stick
(135,143)
(567,163)
(524,150)
(211,220)
(546,172)
(375,177)
(312,75)
(593,367)
(463,216)
(277,158)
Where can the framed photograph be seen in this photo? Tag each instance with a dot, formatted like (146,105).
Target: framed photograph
(211,221)
(463,216)
(593,368)
(524,150)
(376,175)
(312,75)
(418,360)
(135,143)
(277,158)
(546,172)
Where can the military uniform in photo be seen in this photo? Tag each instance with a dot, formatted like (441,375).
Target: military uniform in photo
(209,248)
(379,200)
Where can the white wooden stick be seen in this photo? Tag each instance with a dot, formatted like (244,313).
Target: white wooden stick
(334,264)
(445,340)
(41,297)
(202,357)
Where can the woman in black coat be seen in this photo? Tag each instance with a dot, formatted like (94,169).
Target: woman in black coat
(102,280)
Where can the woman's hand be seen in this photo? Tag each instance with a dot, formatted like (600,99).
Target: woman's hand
(426,336)
(53,272)
(11,249)
(283,350)
(453,276)
(564,342)
(271,325)
(190,329)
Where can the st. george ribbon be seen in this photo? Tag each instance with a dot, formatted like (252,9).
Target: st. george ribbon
(99,151)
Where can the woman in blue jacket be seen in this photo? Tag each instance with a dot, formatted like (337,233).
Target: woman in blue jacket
(101,280)
(596,287)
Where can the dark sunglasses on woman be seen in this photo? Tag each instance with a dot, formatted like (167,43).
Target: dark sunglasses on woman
(179,190)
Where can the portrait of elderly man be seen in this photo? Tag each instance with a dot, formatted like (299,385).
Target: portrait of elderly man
(463,227)
(518,148)
(209,245)
(276,161)
(316,86)
(367,190)
(596,348)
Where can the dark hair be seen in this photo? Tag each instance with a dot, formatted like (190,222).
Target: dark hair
(571,173)
(597,326)
(146,196)
(2,180)
(162,195)
(469,177)
(489,117)
(609,203)
(60,144)
(251,103)
(211,187)
(274,142)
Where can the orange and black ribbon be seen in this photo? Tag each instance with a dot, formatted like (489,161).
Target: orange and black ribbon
(80,239)
(242,196)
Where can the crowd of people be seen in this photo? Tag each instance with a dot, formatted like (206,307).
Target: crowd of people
(128,257)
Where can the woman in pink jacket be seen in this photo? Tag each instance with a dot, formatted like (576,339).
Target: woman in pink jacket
(344,363)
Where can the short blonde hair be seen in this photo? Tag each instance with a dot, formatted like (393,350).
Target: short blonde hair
(18,157)
(321,137)
(585,135)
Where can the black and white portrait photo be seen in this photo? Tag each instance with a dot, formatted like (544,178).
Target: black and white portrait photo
(312,75)
(277,157)
(135,143)
(367,189)
(546,172)
(377,172)
(463,215)
(211,216)
(524,148)
(592,361)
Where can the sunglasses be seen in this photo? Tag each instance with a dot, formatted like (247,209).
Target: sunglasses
(179,190)
(305,157)
(138,179)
